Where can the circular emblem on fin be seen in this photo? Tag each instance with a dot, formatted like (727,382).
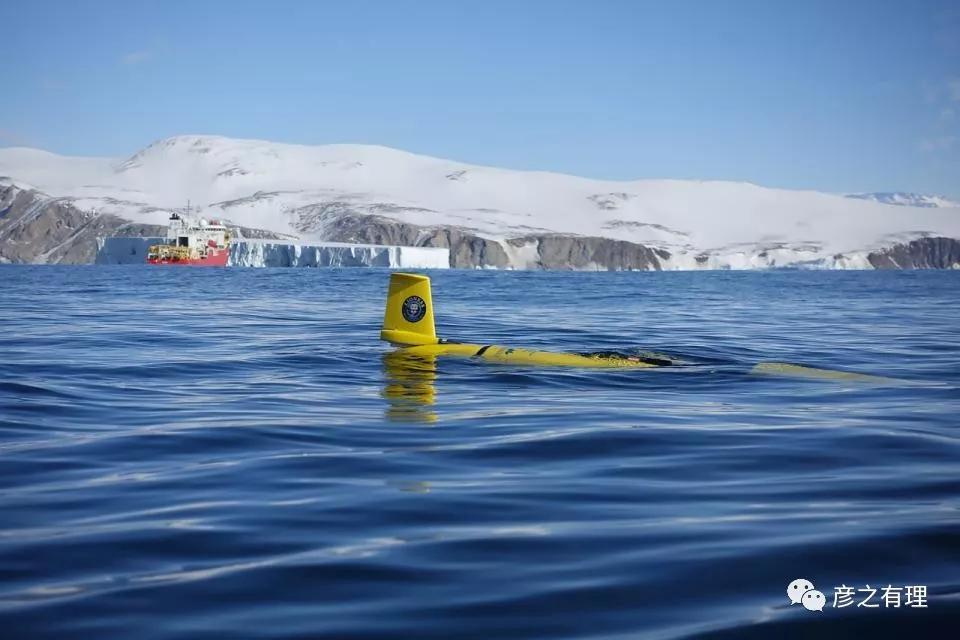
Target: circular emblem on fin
(414,308)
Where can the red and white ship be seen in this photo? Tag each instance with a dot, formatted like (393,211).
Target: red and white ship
(203,243)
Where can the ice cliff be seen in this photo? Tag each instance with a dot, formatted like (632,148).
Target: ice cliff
(281,253)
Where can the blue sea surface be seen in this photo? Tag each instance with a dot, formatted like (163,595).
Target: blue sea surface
(232,453)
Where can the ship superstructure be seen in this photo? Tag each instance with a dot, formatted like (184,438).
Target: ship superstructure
(197,243)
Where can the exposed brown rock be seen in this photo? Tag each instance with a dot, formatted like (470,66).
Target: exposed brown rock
(924,253)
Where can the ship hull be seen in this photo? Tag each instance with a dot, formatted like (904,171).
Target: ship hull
(213,259)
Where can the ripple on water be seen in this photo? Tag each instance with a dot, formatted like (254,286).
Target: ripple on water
(256,467)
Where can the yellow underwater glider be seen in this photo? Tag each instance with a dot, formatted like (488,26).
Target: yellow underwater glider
(408,323)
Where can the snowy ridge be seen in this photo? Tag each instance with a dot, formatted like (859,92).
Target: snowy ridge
(904,199)
(303,191)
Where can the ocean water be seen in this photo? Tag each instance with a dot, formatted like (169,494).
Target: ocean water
(190,453)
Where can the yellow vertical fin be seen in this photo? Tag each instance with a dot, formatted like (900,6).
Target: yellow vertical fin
(408,318)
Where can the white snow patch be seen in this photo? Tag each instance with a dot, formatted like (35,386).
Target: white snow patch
(525,256)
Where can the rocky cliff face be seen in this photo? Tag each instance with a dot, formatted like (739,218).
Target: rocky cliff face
(925,253)
(36,228)
(556,251)
(469,250)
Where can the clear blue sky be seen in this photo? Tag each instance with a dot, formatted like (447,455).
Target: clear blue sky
(841,95)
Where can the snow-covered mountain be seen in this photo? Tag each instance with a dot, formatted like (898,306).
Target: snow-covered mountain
(905,199)
(488,216)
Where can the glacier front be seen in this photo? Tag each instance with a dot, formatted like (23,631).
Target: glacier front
(280,253)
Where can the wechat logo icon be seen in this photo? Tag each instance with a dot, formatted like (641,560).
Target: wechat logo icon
(801,591)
